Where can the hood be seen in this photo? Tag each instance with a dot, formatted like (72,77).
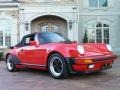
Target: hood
(90,49)
(95,49)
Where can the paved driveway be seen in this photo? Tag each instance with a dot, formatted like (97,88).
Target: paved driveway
(40,80)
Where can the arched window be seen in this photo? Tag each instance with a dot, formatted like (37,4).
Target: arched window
(98,33)
(5,32)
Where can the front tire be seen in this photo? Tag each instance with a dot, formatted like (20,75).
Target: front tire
(57,66)
(10,63)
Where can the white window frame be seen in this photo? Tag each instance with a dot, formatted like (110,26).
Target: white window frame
(48,1)
(4,32)
(98,5)
(95,29)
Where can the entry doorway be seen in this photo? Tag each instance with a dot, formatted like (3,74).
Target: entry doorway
(49,23)
(50,27)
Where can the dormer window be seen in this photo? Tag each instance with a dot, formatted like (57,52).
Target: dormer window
(47,0)
(98,3)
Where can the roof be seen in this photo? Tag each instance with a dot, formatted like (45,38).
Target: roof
(9,1)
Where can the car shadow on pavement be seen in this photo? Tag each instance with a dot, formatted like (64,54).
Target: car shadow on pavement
(33,71)
(77,76)
(87,75)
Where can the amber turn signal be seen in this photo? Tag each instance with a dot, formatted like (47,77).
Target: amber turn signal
(88,61)
(85,61)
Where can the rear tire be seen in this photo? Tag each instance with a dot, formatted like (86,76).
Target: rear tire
(10,64)
(57,66)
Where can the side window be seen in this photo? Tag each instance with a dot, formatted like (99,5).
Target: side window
(28,39)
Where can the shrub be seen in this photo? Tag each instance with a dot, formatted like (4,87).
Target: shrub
(1,56)
(85,39)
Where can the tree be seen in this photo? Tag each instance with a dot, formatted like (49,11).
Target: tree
(85,39)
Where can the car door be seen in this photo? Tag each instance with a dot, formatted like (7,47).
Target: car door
(25,52)
(36,54)
(32,54)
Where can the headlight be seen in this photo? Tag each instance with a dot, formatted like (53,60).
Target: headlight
(109,47)
(80,49)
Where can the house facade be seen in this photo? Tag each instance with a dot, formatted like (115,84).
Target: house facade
(100,19)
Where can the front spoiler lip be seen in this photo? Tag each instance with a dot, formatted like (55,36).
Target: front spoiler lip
(71,61)
(99,58)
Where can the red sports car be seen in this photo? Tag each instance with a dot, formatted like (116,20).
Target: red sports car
(57,54)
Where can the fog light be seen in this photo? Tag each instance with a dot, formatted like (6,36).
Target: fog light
(91,66)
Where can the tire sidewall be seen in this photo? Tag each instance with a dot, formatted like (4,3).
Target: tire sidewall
(64,72)
(13,63)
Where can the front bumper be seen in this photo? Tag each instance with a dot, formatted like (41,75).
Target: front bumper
(99,63)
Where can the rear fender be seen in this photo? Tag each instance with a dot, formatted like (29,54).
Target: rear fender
(14,55)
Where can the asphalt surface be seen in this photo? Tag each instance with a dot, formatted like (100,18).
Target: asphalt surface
(28,79)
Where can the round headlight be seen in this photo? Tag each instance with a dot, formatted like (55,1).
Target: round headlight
(80,49)
(109,47)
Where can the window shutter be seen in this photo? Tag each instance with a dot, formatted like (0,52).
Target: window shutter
(86,3)
(111,3)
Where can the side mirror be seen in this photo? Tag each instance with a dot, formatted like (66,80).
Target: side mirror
(33,43)
(74,41)
(11,47)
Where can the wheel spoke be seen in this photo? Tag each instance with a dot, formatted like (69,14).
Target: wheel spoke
(56,66)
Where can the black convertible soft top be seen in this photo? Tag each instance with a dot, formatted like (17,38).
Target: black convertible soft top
(23,39)
(44,37)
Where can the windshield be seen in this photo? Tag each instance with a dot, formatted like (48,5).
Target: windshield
(49,37)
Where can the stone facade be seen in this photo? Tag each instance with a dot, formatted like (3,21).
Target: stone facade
(69,17)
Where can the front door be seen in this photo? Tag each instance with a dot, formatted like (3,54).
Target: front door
(50,27)
(49,24)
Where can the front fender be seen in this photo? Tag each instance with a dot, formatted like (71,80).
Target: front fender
(64,51)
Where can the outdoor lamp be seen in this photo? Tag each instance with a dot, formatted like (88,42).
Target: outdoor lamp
(70,24)
(26,26)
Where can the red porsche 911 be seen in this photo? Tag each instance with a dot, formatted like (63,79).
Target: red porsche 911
(57,54)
